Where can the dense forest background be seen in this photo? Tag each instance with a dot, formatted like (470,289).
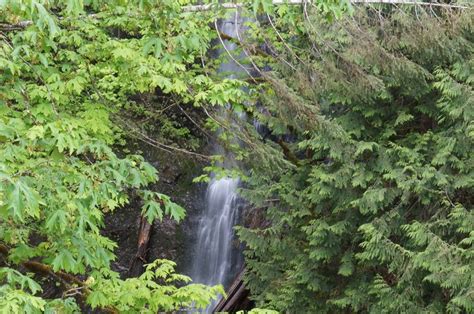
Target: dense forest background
(358,180)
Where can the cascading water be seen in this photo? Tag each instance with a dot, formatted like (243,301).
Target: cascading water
(217,260)
(213,262)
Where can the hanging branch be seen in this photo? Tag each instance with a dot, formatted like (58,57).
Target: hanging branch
(253,49)
(230,54)
(135,131)
(283,40)
(243,44)
(194,122)
(167,148)
(38,77)
(277,55)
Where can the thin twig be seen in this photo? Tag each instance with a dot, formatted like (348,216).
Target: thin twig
(243,44)
(276,54)
(168,148)
(283,41)
(230,54)
(194,122)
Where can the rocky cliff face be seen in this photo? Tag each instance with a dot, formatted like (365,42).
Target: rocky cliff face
(169,239)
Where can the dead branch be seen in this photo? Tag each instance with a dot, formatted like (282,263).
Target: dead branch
(237,297)
(136,265)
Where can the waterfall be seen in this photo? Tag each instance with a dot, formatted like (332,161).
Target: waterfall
(217,260)
(214,246)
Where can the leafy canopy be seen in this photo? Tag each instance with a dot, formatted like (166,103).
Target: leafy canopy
(69,72)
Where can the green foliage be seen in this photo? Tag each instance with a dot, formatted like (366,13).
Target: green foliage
(363,188)
(17,296)
(370,208)
(148,296)
(71,74)
(14,295)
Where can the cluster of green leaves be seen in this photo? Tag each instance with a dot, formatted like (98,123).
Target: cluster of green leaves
(371,209)
(153,291)
(17,295)
(69,72)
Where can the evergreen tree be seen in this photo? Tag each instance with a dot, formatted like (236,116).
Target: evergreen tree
(364,189)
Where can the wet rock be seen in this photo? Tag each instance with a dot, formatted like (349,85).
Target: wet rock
(169,239)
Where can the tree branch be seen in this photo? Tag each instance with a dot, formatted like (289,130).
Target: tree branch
(66,279)
(229,6)
(44,269)
(5,27)
(288,153)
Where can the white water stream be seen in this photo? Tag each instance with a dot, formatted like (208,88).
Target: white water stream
(213,262)
(216,259)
